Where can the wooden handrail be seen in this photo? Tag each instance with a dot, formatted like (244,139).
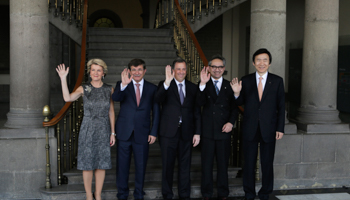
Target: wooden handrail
(65,108)
(193,37)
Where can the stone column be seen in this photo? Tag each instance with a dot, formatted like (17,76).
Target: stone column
(29,63)
(318,111)
(268,30)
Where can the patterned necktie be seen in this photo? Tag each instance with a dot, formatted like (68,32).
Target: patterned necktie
(260,88)
(138,96)
(216,87)
(181,94)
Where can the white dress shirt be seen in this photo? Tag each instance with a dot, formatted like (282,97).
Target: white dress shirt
(202,87)
(135,87)
(178,87)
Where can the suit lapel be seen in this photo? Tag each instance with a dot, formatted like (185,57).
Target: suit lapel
(211,89)
(144,92)
(268,85)
(255,86)
(132,91)
(187,88)
(222,89)
(174,88)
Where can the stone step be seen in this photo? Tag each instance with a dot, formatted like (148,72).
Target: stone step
(152,190)
(129,31)
(114,78)
(124,61)
(154,167)
(129,39)
(132,53)
(152,174)
(151,69)
(153,81)
(130,46)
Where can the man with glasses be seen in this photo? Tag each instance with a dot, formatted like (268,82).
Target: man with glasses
(219,114)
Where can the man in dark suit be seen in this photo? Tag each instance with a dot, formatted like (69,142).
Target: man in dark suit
(179,127)
(133,127)
(219,114)
(262,93)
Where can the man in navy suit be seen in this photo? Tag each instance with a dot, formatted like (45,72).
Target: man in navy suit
(262,93)
(219,114)
(179,127)
(133,127)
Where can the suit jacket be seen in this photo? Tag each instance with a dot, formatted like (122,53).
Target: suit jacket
(269,113)
(172,110)
(217,110)
(136,119)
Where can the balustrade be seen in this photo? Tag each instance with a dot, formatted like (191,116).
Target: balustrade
(68,120)
(68,9)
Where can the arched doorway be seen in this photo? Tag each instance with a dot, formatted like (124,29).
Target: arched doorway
(105,18)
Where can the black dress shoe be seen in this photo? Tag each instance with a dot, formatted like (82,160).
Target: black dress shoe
(223,198)
(205,198)
(247,199)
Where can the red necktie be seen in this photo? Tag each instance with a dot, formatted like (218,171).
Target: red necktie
(260,88)
(138,96)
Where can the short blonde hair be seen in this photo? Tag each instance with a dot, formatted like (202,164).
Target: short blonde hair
(99,62)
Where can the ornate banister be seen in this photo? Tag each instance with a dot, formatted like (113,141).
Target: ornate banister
(67,121)
(188,48)
(81,76)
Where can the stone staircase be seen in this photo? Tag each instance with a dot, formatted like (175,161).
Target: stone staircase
(201,16)
(75,187)
(117,47)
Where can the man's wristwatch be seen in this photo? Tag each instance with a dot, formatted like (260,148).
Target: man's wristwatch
(113,134)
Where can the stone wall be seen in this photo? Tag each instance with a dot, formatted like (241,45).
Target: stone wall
(23,162)
(312,161)
(210,38)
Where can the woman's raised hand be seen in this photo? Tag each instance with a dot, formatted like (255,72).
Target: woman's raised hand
(62,71)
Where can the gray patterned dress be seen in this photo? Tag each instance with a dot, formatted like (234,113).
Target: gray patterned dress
(94,151)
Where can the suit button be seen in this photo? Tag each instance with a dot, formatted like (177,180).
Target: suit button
(214,113)
(222,106)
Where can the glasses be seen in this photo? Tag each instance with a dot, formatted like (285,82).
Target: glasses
(217,67)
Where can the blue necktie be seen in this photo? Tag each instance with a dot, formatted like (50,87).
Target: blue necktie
(181,93)
(216,87)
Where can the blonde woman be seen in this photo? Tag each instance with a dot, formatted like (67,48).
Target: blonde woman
(96,134)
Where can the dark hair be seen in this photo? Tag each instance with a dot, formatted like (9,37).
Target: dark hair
(217,56)
(261,51)
(178,60)
(136,62)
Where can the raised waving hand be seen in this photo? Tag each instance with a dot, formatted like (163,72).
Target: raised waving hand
(236,86)
(169,75)
(125,77)
(205,76)
(62,71)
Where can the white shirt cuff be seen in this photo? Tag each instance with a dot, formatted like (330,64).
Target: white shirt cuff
(202,87)
(165,86)
(122,88)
